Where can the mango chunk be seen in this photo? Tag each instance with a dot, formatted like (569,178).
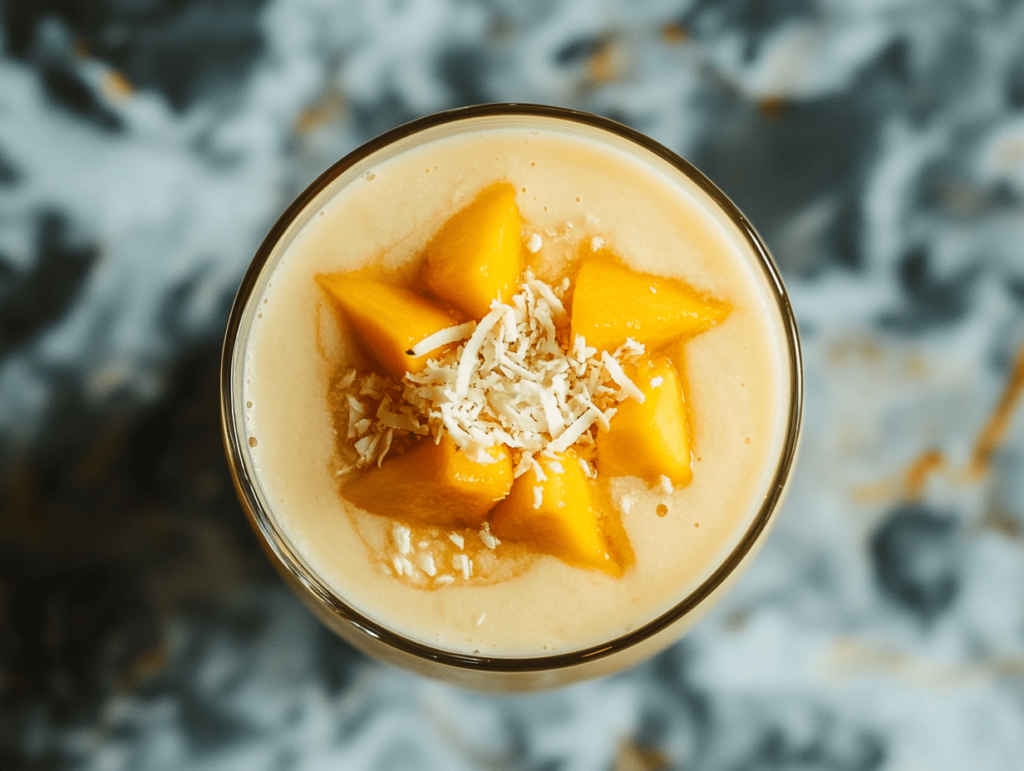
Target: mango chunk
(477,256)
(652,439)
(389,320)
(611,302)
(553,513)
(434,484)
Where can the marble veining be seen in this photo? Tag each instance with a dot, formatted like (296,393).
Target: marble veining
(146,146)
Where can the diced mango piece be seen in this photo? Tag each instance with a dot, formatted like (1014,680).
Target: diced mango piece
(435,484)
(652,439)
(389,320)
(676,353)
(612,302)
(553,513)
(477,256)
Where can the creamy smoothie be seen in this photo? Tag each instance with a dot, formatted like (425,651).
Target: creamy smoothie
(577,193)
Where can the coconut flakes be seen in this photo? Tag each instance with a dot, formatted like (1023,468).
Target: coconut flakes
(621,379)
(574,432)
(402,539)
(426,563)
(441,338)
(463,563)
(516,381)
(468,360)
(557,309)
(487,538)
(538,472)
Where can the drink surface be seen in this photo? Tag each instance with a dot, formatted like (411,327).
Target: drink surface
(572,189)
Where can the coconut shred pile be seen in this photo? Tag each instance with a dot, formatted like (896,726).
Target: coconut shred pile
(514,379)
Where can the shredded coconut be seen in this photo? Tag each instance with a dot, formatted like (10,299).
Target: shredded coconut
(538,471)
(487,538)
(426,563)
(574,432)
(557,309)
(534,244)
(457,539)
(657,382)
(463,563)
(666,485)
(621,379)
(402,539)
(441,338)
(538,497)
(468,361)
(516,381)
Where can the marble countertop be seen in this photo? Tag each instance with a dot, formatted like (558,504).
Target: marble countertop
(146,146)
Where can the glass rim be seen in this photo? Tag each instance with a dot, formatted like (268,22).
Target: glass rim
(280,549)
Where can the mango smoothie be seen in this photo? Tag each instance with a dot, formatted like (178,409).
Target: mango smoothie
(400,435)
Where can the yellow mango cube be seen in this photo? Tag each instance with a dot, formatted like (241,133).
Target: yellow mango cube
(477,256)
(611,303)
(389,320)
(552,512)
(434,484)
(652,439)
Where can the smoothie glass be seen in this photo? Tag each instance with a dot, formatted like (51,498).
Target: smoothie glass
(377,640)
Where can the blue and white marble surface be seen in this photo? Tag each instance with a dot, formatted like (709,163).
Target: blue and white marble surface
(146,146)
